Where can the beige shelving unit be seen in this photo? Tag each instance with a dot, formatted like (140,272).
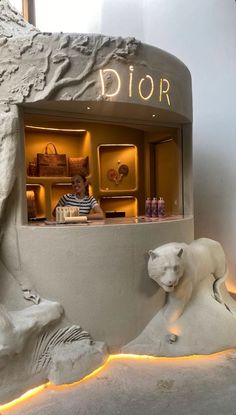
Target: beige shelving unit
(47,191)
(120,195)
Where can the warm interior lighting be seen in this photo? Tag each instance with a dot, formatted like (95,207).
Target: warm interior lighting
(176,329)
(76,130)
(231,287)
(121,356)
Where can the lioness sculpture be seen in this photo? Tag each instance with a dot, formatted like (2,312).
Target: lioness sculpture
(178,268)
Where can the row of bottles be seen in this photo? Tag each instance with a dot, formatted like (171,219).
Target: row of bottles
(155,208)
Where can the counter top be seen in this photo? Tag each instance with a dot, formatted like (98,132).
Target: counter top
(109,221)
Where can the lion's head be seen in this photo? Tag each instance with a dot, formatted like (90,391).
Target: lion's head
(166,266)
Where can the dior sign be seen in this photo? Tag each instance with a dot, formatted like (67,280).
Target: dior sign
(145,87)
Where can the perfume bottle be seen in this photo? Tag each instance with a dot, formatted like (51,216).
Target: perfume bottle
(154,208)
(161,207)
(148,207)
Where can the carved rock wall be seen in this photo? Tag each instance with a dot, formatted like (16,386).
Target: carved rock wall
(33,339)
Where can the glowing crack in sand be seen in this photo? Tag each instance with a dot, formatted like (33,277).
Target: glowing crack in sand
(174,360)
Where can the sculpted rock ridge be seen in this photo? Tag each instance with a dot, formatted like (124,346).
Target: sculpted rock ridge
(37,343)
(12,23)
(199,314)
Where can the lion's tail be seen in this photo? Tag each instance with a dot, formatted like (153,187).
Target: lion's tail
(217,283)
(216,288)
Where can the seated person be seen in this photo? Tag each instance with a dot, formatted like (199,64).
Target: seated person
(88,206)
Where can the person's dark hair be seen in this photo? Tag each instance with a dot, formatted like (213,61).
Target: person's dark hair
(87,185)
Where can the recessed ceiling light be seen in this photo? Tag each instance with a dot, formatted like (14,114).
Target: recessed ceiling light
(88,108)
(56,129)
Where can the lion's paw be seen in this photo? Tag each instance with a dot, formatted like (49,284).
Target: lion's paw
(171,338)
(31,295)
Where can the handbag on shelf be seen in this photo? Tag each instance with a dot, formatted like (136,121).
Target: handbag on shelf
(78,165)
(51,164)
(32,169)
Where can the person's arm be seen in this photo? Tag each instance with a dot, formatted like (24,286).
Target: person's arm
(54,211)
(96,213)
(59,203)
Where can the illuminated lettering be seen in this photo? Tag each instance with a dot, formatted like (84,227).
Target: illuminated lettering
(102,71)
(142,88)
(140,85)
(164,90)
(131,68)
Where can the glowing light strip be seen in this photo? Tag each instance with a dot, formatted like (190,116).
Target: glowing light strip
(56,129)
(29,394)
(121,356)
(117,145)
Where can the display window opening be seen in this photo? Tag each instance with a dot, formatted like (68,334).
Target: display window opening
(123,165)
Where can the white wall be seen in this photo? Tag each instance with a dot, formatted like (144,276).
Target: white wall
(203,35)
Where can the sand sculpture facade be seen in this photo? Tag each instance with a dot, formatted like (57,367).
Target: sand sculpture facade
(107,291)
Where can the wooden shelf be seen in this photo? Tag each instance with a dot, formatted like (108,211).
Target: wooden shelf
(45,179)
(47,191)
(126,204)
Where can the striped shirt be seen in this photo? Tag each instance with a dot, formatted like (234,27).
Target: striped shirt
(85,204)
